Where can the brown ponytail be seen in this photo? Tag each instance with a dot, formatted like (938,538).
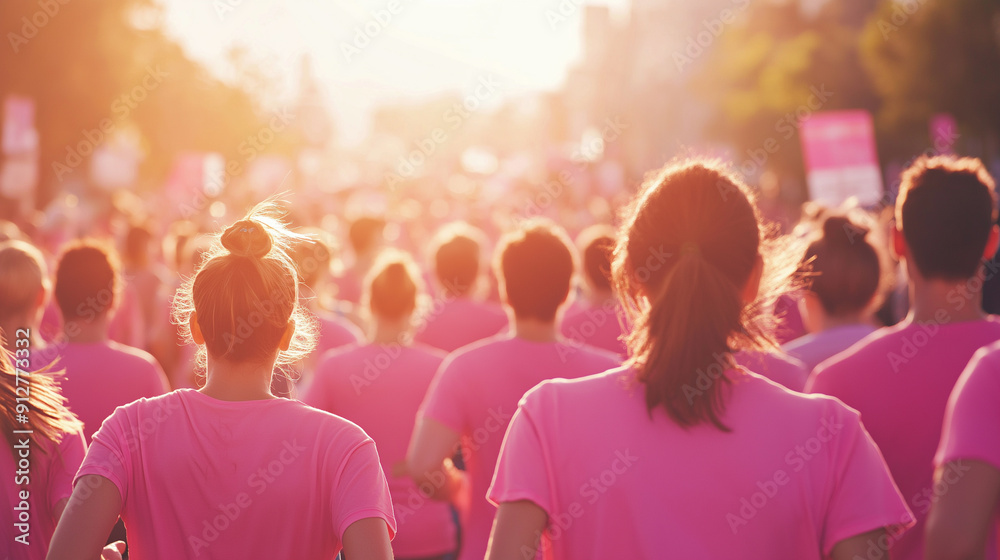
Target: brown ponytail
(688,246)
(47,415)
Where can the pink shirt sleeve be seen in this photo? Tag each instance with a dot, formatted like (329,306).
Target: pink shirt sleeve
(446,396)
(109,454)
(361,491)
(972,410)
(863,496)
(64,465)
(524,470)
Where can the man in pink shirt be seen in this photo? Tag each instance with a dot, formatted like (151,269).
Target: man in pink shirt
(598,320)
(101,375)
(476,391)
(966,491)
(458,318)
(900,377)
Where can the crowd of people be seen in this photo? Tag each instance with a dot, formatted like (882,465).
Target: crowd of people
(685,380)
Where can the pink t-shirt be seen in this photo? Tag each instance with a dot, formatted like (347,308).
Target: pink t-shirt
(899,378)
(380,387)
(105,375)
(335,332)
(596,326)
(204,478)
(452,324)
(971,420)
(796,475)
(783,370)
(476,392)
(813,348)
(48,480)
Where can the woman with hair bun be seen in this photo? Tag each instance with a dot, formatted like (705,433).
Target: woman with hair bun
(838,306)
(380,385)
(680,452)
(231,471)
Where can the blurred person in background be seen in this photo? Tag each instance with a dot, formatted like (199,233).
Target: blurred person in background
(366,235)
(597,322)
(647,461)
(477,388)
(34,496)
(457,317)
(379,385)
(173,466)
(845,271)
(24,292)
(101,375)
(900,377)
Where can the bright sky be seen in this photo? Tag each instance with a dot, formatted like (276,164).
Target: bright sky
(427,47)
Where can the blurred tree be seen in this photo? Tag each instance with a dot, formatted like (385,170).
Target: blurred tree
(775,68)
(931,56)
(97,66)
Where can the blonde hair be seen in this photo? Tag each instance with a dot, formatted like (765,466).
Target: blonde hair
(23,274)
(245,292)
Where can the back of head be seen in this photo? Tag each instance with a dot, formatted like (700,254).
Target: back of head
(365,234)
(945,210)
(688,247)
(137,239)
(87,280)
(23,278)
(245,293)
(312,255)
(535,265)
(845,267)
(596,245)
(457,249)
(393,286)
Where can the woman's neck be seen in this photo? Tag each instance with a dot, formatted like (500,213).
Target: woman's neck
(236,381)
(535,330)
(87,331)
(391,332)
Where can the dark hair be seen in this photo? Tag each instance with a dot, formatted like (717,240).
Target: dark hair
(246,292)
(47,414)
(87,280)
(845,268)
(365,233)
(535,266)
(689,244)
(457,248)
(946,208)
(393,286)
(596,245)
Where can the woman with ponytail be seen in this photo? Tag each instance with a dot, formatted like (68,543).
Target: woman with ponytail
(230,470)
(380,385)
(681,452)
(40,460)
(839,305)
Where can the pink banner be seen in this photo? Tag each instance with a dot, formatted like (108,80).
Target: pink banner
(840,157)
